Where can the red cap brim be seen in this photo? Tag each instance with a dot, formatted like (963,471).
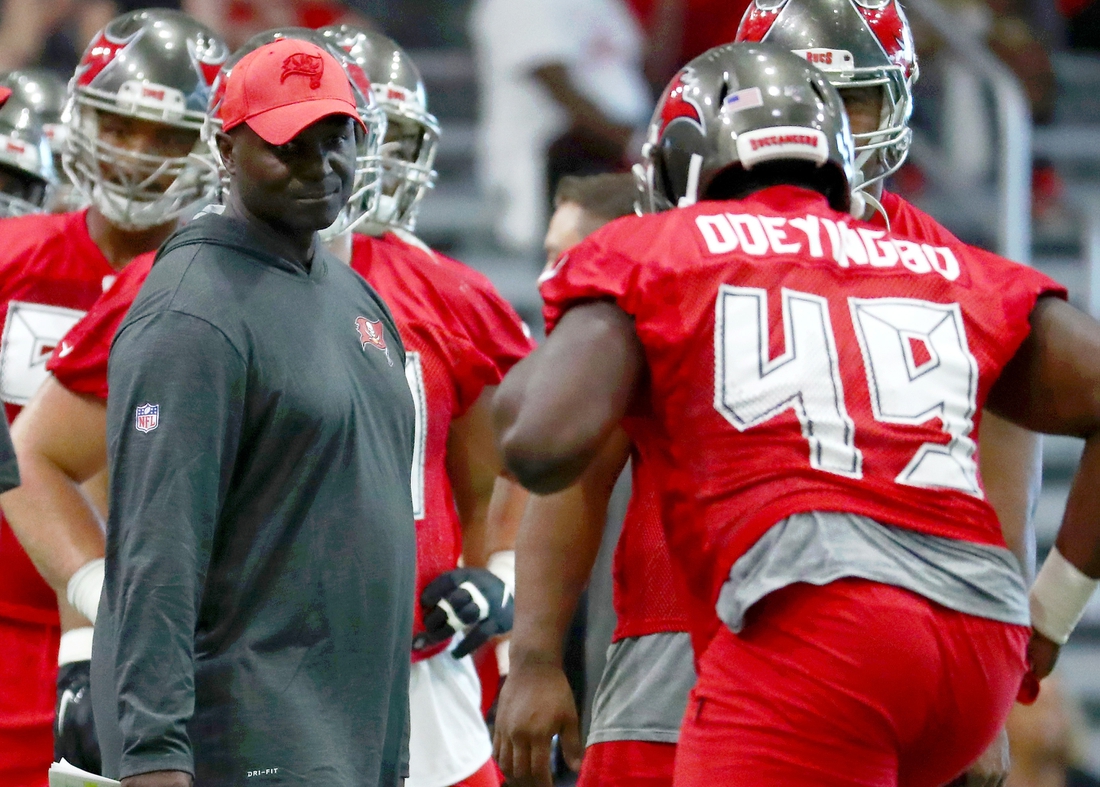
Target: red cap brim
(280,125)
(5,94)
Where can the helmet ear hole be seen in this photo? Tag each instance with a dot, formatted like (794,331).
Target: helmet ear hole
(725,91)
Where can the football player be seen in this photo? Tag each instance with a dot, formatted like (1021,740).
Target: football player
(816,384)
(462,338)
(47,93)
(868,55)
(27,172)
(137,103)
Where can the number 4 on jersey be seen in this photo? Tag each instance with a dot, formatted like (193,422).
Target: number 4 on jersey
(917,363)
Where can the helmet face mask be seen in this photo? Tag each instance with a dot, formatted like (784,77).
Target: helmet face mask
(857,44)
(734,108)
(157,178)
(130,187)
(406,157)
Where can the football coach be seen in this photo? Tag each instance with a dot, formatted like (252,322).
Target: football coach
(256,616)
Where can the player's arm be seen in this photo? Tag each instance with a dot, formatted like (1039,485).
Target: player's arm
(557,407)
(1052,385)
(60,442)
(555,551)
(1011,464)
(480,593)
(489,506)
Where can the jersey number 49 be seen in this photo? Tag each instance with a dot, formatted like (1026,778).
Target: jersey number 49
(918,367)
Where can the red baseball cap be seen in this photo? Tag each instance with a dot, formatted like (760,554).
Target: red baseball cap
(283,87)
(5,94)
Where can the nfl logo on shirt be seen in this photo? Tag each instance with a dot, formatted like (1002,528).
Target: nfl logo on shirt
(147,417)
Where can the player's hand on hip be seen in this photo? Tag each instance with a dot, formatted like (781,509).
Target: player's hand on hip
(158,779)
(470,600)
(1042,654)
(535,704)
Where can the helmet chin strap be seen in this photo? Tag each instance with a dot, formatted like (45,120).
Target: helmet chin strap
(860,198)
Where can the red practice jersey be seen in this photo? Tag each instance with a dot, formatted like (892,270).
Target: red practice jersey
(460,336)
(647,597)
(801,360)
(50,273)
(79,362)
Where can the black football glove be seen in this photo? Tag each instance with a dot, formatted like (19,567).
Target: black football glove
(472,600)
(74,732)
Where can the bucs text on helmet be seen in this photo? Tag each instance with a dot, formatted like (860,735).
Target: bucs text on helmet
(155,66)
(858,44)
(366,188)
(745,112)
(407,155)
(27,174)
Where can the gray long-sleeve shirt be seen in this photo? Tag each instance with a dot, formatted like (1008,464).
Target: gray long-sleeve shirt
(256,618)
(9,472)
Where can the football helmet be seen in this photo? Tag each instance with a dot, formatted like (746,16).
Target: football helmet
(158,66)
(741,105)
(366,188)
(407,154)
(856,43)
(47,93)
(27,174)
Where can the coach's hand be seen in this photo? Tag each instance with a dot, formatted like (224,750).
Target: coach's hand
(159,779)
(535,704)
(472,600)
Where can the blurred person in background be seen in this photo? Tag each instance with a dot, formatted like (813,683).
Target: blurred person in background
(680,30)
(563,92)
(1048,740)
(134,153)
(1009,29)
(240,20)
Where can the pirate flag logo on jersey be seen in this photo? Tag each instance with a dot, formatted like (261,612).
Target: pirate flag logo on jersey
(371,332)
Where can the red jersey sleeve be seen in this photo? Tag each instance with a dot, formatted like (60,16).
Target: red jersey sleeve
(591,270)
(79,362)
(499,339)
(495,337)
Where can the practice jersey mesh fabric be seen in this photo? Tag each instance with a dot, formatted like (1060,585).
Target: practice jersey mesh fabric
(797,341)
(647,595)
(50,273)
(79,362)
(461,337)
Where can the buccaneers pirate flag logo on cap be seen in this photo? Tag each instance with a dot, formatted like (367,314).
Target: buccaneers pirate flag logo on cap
(306,65)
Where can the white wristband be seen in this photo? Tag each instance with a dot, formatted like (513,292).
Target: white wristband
(1058,597)
(76,645)
(85,588)
(503,566)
